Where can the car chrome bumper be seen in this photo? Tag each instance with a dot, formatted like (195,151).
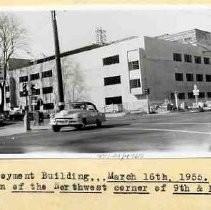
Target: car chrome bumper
(65,122)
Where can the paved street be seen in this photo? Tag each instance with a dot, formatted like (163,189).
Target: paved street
(187,133)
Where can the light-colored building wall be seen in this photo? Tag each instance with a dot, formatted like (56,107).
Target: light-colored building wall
(89,66)
(39,83)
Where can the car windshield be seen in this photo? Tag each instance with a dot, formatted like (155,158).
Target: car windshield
(77,106)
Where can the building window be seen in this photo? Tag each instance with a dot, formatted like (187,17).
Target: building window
(181,95)
(133,65)
(189,77)
(22,94)
(47,90)
(36,92)
(135,83)
(190,95)
(208,78)
(197,59)
(188,58)
(7,89)
(209,94)
(201,95)
(47,74)
(111,60)
(177,57)
(34,76)
(113,100)
(199,77)
(7,100)
(112,80)
(206,60)
(172,96)
(178,76)
(23,79)
(48,106)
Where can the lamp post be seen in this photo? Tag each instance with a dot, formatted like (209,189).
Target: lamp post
(58,62)
(147,92)
(176,99)
(196,94)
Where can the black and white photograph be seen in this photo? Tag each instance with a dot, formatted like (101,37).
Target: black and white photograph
(83,81)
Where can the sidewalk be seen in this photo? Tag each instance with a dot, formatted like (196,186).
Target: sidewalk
(18,129)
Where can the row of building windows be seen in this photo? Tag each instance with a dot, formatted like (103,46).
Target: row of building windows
(7,88)
(113,100)
(190,59)
(134,83)
(190,77)
(112,80)
(36,76)
(48,106)
(7,100)
(45,90)
(111,60)
(36,92)
(133,65)
(190,95)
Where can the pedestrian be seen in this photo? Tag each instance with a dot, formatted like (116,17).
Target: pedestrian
(36,118)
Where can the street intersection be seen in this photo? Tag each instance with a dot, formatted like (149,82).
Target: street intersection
(172,133)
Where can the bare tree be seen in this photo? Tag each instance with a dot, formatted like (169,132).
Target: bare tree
(12,38)
(74,85)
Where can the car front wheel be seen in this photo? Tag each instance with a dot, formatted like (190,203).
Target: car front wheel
(56,128)
(78,127)
(81,126)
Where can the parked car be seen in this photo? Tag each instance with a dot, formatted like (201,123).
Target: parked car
(78,115)
(16,114)
(2,118)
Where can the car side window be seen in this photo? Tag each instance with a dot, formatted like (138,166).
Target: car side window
(91,107)
(83,107)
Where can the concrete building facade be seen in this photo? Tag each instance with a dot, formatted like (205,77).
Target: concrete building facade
(114,76)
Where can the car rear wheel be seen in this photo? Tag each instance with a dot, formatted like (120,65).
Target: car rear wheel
(56,128)
(98,123)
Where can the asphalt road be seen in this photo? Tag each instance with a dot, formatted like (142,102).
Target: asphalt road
(187,133)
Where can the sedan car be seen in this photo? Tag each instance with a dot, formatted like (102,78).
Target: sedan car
(16,114)
(78,115)
(2,118)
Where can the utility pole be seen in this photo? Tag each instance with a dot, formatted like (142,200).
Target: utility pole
(58,62)
(26,116)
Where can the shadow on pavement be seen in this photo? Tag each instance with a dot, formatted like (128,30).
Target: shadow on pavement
(6,124)
(96,128)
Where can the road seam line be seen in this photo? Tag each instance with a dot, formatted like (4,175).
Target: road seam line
(158,129)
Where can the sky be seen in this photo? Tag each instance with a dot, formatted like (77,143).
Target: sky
(76,26)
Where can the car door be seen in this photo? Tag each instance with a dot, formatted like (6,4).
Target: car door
(92,114)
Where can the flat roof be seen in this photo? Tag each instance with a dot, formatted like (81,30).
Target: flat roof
(80,50)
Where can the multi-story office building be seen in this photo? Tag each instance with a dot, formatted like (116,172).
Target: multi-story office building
(119,72)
